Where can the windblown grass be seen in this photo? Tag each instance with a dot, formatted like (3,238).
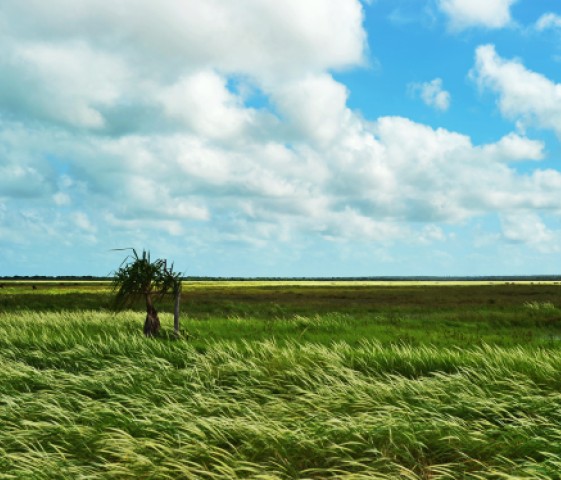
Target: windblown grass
(283,382)
(84,395)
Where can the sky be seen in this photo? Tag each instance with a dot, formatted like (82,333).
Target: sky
(297,138)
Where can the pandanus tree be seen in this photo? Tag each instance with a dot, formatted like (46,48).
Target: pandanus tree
(138,277)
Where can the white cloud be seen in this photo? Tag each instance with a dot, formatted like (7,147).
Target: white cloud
(513,147)
(524,96)
(233,37)
(362,186)
(314,107)
(146,198)
(140,123)
(63,83)
(528,228)
(440,175)
(203,103)
(366,185)
(463,14)
(432,94)
(548,21)
(112,68)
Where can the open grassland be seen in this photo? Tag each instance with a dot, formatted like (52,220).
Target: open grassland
(283,381)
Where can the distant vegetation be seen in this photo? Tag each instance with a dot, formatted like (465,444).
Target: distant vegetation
(496,278)
(293,381)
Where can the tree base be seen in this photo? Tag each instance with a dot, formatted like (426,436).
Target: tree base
(152,323)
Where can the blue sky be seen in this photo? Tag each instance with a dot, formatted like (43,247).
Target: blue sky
(265,138)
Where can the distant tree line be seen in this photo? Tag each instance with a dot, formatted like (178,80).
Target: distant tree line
(50,278)
(491,278)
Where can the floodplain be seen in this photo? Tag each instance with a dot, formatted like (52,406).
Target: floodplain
(412,380)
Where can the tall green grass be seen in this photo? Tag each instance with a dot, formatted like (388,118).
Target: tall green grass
(84,395)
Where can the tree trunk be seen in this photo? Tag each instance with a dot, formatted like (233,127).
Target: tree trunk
(152,322)
(176,310)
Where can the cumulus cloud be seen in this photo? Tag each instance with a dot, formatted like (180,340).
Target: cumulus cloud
(174,35)
(432,94)
(60,83)
(204,104)
(524,96)
(512,148)
(529,228)
(441,176)
(314,107)
(463,14)
(139,120)
(364,186)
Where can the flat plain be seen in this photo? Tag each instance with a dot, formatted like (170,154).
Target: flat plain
(411,380)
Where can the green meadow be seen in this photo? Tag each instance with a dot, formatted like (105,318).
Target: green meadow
(283,380)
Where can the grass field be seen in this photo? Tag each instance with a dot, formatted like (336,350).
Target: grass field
(283,380)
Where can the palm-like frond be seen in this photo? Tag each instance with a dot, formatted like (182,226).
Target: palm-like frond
(140,277)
